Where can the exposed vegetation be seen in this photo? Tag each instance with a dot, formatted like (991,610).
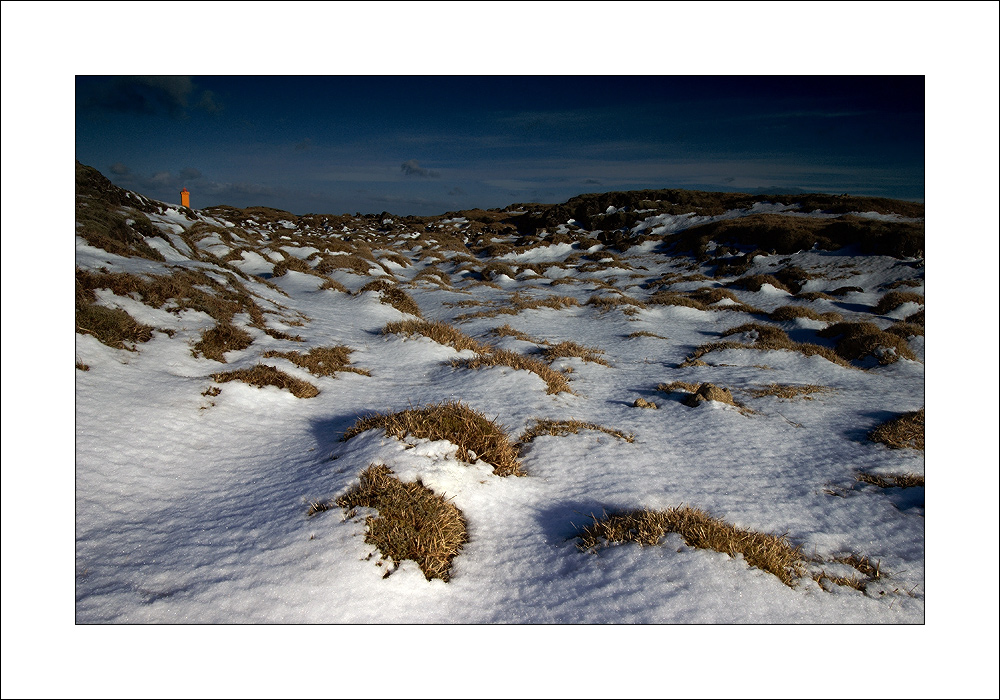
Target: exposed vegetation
(476,436)
(771,553)
(438,331)
(905,431)
(266,375)
(323,362)
(555,382)
(546,426)
(413,522)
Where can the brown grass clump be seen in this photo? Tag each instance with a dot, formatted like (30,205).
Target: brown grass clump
(787,313)
(646,334)
(903,481)
(222,338)
(413,522)
(893,300)
(554,381)
(266,375)
(113,327)
(606,303)
(438,331)
(351,262)
(334,285)
(771,553)
(905,329)
(507,330)
(906,430)
(764,337)
(570,349)
(858,340)
(755,283)
(557,428)
(672,387)
(495,269)
(392,295)
(788,391)
(665,298)
(323,362)
(642,403)
(519,303)
(454,421)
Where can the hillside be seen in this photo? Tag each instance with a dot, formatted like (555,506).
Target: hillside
(661,406)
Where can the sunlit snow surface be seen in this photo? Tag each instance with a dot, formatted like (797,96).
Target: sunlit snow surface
(192,507)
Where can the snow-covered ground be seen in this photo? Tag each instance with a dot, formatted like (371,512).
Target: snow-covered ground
(192,495)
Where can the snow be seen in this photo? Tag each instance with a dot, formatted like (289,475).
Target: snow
(191,506)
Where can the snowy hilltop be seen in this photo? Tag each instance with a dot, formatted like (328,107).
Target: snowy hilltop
(662,406)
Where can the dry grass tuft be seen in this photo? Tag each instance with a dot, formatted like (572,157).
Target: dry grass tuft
(788,313)
(392,295)
(905,329)
(677,386)
(266,375)
(554,381)
(323,362)
(754,283)
(507,330)
(606,303)
(771,553)
(903,481)
(763,337)
(642,403)
(438,331)
(906,430)
(570,349)
(222,338)
(646,334)
(413,522)
(893,300)
(519,303)
(558,428)
(334,285)
(789,391)
(113,327)
(454,421)
(858,340)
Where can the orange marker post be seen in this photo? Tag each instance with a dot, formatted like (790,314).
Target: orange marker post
(185,198)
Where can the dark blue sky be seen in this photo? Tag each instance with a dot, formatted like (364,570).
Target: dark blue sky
(427,145)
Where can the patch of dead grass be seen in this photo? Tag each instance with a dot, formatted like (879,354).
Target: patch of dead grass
(438,331)
(222,338)
(771,553)
(904,431)
(788,391)
(894,300)
(764,337)
(265,375)
(519,302)
(888,481)
(857,340)
(558,428)
(413,522)
(643,403)
(322,362)
(646,334)
(570,349)
(788,313)
(555,382)
(469,430)
(506,330)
